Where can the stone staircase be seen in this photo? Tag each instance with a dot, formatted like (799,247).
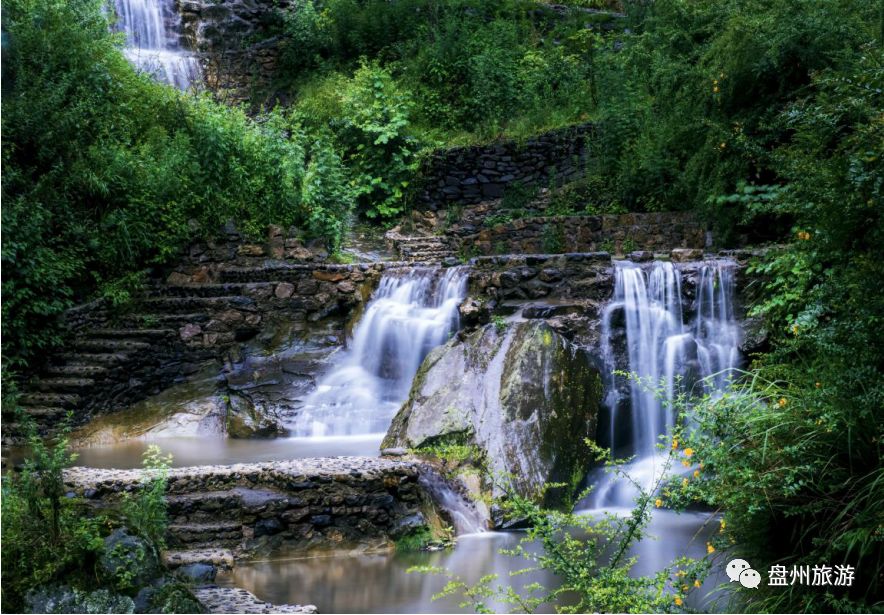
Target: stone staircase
(420,248)
(116,358)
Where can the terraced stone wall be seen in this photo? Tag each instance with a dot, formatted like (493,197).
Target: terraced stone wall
(465,175)
(343,502)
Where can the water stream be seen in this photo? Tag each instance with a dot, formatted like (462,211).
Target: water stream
(649,331)
(411,312)
(153,41)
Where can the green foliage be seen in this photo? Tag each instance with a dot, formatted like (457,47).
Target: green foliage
(473,66)
(107,172)
(588,554)
(416,540)
(499,323)
(146,510)
(806,485)
(46,536)
(175,597)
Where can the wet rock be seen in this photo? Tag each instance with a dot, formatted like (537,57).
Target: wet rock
(640,256)
(284,290)
(267,527)
(408,524)
(199,574)
(63,599)
(245,420)
(128,556)
(525,397)
(397,451)
(189,331)
(683,255)
(474,312)
(755,336)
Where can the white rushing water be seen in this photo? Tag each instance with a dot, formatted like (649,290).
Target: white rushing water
(645,332)
(411,312)
(152,45)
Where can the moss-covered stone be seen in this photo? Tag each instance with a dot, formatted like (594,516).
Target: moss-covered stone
(524,396)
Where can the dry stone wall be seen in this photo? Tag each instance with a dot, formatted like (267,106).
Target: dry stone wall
(473,174)
(342,502)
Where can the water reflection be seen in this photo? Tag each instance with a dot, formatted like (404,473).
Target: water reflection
(380,583)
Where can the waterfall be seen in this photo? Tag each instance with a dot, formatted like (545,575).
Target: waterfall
(645,332)
(464,515)
(152,46)
(411,312)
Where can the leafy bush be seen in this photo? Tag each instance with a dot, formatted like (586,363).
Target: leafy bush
(107,172)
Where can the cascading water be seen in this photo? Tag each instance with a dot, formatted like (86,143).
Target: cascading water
(152,45)
(645,333)
(410,313)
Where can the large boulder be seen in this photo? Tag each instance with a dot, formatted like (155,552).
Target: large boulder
(246,420)
(521,394)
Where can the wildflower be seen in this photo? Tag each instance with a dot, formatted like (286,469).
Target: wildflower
(658,502)
(678,601)
(675,444)
(688,452)
(782,403)
(723,525)
(685,463)
(715,89)
(684,483)
(710,548)
(680,573)
(696,473)
(819,384)
(794,329)
(684,588)
(722,145)
(697,583)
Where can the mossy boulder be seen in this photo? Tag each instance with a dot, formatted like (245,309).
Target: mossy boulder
(521,394)
(246,420)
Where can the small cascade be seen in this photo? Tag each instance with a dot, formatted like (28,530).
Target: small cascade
(411,312)
(464,515)
(645,332)
(152,45)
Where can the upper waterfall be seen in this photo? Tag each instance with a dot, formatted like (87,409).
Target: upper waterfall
(411,312)
(152,45)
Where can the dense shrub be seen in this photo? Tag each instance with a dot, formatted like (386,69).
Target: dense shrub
(106,172)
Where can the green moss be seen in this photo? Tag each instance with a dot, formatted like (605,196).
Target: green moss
(416,540)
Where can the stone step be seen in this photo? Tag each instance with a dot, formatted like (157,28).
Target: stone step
(177,304)
(283,272)
(63,400)
(45,412)
(140,334)
(76,370)
(235,600)
(93,358)
(218,533)
(215,290)
(110,345)
(171,320)
(62,384)
(190,505)
(221,558)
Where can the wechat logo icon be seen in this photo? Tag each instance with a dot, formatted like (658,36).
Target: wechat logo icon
(740,571)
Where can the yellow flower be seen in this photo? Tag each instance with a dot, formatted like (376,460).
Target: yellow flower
(710,548)
(782,403)
(688,452)
(684,588)
(675,444)
(684,483)
(722,145)
(658,502)
(680,573)
(819,384)
(697,583)
(678,601)
(696,473)
(686,463)
(715,89)
(723,524)
(794,329)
